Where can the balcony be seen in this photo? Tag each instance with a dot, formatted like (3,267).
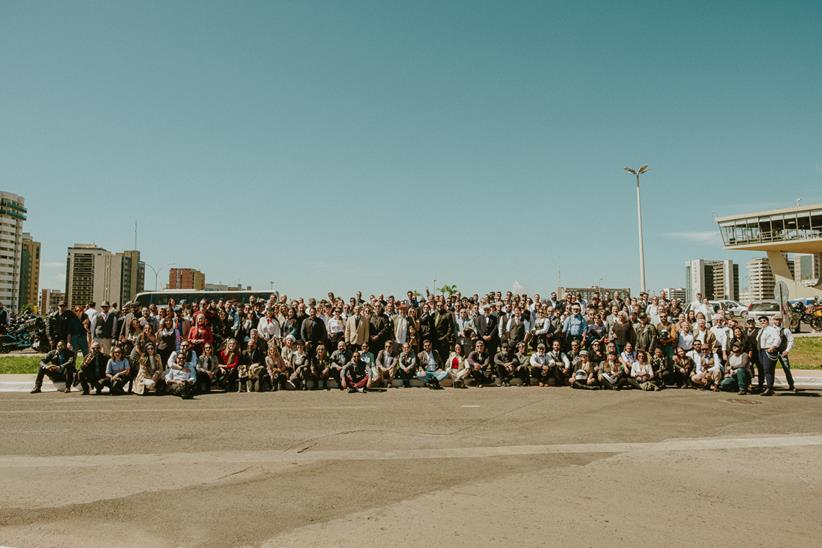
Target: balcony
(797,230)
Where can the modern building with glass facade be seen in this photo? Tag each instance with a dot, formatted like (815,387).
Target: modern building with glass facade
(777,232)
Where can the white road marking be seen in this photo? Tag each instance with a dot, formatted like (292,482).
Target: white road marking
(293,456)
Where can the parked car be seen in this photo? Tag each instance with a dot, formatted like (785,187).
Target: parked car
(771,308)
(731,308)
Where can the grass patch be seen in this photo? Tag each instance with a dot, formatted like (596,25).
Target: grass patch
(19,364)
(806,353)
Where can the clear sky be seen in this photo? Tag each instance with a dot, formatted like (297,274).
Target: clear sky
(381,145)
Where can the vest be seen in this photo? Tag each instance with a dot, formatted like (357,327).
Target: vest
(104,329)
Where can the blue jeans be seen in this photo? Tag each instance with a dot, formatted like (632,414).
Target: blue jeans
(80,343)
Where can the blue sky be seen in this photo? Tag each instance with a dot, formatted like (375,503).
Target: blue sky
(381,145)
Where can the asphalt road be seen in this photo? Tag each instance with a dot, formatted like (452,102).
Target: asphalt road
(478,467)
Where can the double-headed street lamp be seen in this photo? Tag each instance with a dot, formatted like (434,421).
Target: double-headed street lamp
(637,172)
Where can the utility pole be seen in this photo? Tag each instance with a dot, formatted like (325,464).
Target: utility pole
(637,173)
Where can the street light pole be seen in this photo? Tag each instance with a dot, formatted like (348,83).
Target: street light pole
(637,173)
(156,274)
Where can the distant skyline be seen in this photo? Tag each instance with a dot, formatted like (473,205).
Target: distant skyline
(378,146)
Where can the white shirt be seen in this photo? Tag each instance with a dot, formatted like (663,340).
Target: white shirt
(723,336)
(268,327)
(789,337)
(769,337)
(700,359)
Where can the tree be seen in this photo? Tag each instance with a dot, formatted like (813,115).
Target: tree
(448,289)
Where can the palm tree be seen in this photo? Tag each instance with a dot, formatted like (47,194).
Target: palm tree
(448,289)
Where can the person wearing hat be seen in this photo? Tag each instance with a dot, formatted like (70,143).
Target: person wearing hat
(768,341)
(737,374)
(58,325)
(585,376)
(104,327)
(785,346)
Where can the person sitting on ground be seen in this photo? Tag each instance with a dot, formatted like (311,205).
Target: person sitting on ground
(387,363)
(278,371)
(355,374)
(559,366)
(321,366)
(430,371)
(457,366)
(118,371)
(93,369)
(180,378)
(683,367)
(406,365)
(150,377)
(661,366)
(737,375)
(208,365)
(707,369)
(57,365)
(585,376)
(339,358)
(252,363)
(538,365)
(229,361)
(480,363)
(504,363)
(300,367)
(642,373)
(610,373)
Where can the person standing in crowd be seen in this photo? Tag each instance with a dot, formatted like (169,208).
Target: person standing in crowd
(785,346)
(57,365)
(59,325)
(78,332)
(104,326)
(768,342)
(574,328)
(200,334)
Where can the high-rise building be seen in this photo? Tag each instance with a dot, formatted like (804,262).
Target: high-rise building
(186,278)
(94,274)
(807,268)
(49,299)
(714,280)
(761,280)
(678,293)
(29,273)
(12,215)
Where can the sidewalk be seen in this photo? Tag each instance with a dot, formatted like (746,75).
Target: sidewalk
(804,378)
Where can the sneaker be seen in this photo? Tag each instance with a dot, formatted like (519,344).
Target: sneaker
(364,390)
(67,389)
(743,393)
(767,393)
(35,390)
(352,390)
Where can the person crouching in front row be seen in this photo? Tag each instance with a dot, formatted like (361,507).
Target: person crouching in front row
(430,370)
(118,372)
(585,375)
(181,378)
(253,362)
(355,374)
(58,365)
(150,377)
(93,369)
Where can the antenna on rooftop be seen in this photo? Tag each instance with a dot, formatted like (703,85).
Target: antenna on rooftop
(135,233)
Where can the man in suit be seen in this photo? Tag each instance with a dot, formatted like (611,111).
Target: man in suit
(400,325)
(486,324)
(379,328)
(356,328)
(444,330)
(313,332)
(387,363)
(104,327)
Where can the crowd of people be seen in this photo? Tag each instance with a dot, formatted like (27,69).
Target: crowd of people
(608,341)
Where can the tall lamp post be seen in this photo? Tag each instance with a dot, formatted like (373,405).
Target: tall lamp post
(637,173)
(156,274)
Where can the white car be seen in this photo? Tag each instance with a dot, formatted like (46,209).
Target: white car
(771,308)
